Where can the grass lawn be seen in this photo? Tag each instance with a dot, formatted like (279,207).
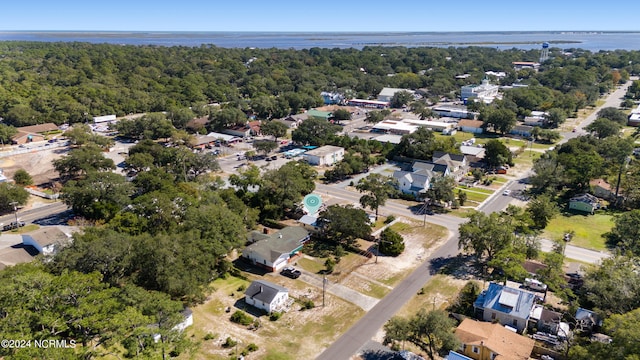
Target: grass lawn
(474,196)
(499,180)
(24,229)
(438,293)
(311,265)
(476,190)
(588,229)
(526,158)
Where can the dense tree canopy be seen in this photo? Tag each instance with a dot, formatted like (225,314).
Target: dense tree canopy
(71,82)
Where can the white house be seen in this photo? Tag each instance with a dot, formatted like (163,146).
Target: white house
(273,251)
(47,240)
(418,180)
(456,164)
(266,296)
(324,156)
(413,183)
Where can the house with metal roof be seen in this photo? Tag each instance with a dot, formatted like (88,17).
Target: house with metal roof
(508,306)
(386,94)
(266,296)
(584,203)
(274,251)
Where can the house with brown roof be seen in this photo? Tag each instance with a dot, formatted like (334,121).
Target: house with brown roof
(33,133)
(492,341)
(602,189)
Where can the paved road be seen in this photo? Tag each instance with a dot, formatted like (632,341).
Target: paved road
(38,213)
(362,332)
(613,100)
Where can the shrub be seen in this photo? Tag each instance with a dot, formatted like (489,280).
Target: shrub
(308,304)
(389,219)
(242,318)
(210,336)
(275,316)
(242,288)
(229,343)
(252,347)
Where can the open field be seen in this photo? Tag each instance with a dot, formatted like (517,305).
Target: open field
(588,229)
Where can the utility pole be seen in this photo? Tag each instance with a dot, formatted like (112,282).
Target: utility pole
(324,288)
(15,211)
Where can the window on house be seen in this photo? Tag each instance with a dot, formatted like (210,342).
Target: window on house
(493,316)
(476,350)
(515,323)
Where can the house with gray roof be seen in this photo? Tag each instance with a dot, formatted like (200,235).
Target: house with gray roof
(418,180)
(274,251)
(508,306)
(457,164)
(266,296)
(47,240)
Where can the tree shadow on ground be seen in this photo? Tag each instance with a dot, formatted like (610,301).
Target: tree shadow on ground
(461,266)
(379,355)
(244,265)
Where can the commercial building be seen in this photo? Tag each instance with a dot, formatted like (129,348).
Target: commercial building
(324,156)
(485,92)
(454,111)
(370,104)
(386,94)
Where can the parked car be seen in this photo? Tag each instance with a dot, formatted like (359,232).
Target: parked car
(274,157)
(291,272)
(506,192)
(13,225)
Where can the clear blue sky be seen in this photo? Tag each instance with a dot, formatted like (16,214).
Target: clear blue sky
(314,15)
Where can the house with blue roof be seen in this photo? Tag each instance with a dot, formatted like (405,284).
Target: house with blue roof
(508,306)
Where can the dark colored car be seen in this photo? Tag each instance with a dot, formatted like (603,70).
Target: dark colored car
(13,225)
(274,157)
(291,272)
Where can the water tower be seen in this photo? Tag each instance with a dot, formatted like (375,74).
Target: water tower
(544,53)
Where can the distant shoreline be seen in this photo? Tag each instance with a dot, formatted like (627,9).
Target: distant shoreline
(502,40)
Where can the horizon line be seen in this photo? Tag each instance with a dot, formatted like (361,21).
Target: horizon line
(323,31)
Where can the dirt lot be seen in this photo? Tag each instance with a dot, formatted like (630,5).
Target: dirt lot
(37,163)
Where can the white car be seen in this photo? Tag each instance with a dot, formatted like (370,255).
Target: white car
(506,192)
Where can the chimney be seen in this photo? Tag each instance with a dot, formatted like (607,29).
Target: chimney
(280,236)
(260,289)
(265,230)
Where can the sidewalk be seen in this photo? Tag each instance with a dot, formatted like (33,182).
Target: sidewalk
(363,301)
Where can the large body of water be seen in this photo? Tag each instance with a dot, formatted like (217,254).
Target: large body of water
(593,41)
